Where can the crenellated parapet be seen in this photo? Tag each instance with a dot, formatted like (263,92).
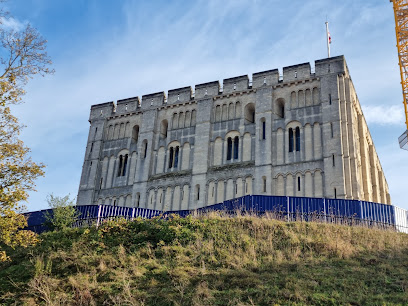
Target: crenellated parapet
(295,73)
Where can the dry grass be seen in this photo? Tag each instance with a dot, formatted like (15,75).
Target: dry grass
(210,259)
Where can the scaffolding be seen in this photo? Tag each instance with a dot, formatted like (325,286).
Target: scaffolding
(401,31)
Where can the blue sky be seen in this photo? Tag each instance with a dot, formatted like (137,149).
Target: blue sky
(105,50)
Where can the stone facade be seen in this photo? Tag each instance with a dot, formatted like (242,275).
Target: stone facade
(297,134)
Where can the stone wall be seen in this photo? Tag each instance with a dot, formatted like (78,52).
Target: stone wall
(299,134)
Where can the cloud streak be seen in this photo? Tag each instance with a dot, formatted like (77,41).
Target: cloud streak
(149,47)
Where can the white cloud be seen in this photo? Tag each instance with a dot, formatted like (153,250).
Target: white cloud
(384,114)
(12,24)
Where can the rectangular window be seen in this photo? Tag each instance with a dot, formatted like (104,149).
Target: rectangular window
(335,193)
(264,184)
(145,150)
(334,164)
(96,131)
(91,148)
(264,130)
(331,130)
(330,99)
(298,183)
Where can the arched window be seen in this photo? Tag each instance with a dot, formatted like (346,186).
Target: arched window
(229,148)
(163,129)
(120,165)
(290,140)
(123,159)
(135,134)
(174,156)
(236,147)
(171,153)
(250,113)
(297,138)
(280,108)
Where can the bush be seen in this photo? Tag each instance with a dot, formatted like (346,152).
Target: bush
(63,214)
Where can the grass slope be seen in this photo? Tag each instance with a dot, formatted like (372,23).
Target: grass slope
(210,260)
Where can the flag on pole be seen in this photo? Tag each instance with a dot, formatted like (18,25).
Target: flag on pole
(328,39)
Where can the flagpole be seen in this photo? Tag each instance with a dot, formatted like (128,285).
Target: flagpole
(327,38)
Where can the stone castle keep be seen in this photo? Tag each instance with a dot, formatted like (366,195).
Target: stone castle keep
(300,134)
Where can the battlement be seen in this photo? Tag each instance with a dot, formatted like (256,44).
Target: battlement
(153,100)
(127,105)
(101,111)
(180,95)
(272,77)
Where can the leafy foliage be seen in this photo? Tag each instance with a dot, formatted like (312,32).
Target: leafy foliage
(63,214)
(22,55)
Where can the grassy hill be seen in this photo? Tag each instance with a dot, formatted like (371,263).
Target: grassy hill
(210,260)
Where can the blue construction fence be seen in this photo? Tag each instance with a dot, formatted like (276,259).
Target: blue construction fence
(348,212)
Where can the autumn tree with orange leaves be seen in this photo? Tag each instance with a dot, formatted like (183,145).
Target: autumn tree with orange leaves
(22,56)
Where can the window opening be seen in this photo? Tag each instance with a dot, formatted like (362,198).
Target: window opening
(197,192)
(161,195)
(235,86)
(124,165)
(163,128)
(298,183)
(236,188)
(120,164)
(229,148)
(331,129)
(178,97)
(335,193)
(295,74)
(135,134)
(126,107)
(96,131)
(236,147)
(264,184)
(264,130)
(206,91)
(100,183)
(333,160)
(145,150)
(290,140)
(330,99)
(114,202)
(264,80)
(176,157)
(138,200)
(171,158)
(297,139)
(212,193)
(91,148)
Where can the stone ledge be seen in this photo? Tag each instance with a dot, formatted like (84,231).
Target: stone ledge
(232,166)
(169,175)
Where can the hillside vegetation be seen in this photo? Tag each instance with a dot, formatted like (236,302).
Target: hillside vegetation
(211,260)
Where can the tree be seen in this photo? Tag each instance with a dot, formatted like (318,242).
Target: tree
(22,56)
(63,214)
